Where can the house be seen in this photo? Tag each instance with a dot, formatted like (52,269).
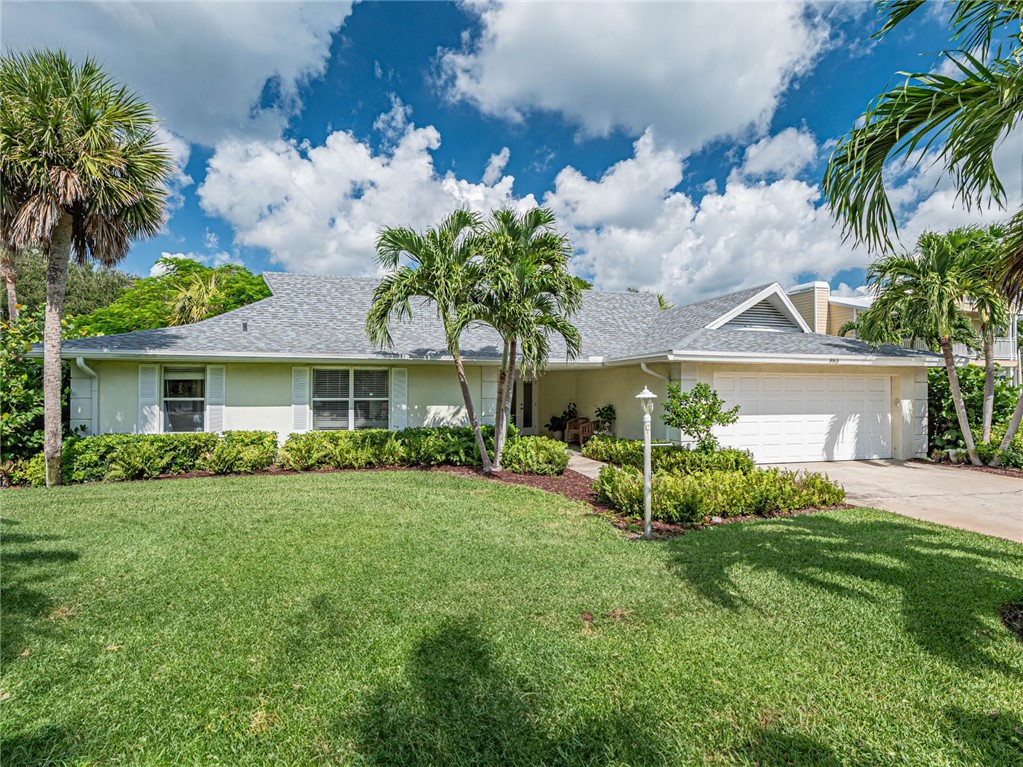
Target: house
(301,360)
(827,313)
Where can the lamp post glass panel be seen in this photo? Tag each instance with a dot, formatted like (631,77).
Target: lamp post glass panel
(646,399)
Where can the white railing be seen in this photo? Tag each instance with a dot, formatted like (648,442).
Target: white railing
(1004,348)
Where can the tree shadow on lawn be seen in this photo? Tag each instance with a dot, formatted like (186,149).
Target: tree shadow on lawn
(24,602)
(948,593)
(458,705)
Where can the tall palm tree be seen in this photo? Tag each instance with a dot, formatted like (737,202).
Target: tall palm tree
(924,294)
(81,171)
(528,296)
(441,268)
(930,117)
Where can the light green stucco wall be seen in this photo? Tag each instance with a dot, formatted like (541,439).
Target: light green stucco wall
(118,396)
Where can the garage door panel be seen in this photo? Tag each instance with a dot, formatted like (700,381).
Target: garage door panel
(786,418)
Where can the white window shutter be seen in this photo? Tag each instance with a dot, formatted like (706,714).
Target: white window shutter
(216,386)
(149,399)
(300,399)
(398,407)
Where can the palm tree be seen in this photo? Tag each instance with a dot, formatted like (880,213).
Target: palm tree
(528,296)
(930,117)
(81,171)
(923,294)
(442,269)
(199,298)
(9,275)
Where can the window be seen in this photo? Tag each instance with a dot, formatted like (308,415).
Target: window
(184,399)
(350,399)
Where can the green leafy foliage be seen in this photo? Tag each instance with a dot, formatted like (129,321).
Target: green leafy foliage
(693,498)
(536,455)
(942,423)
(21,389)
(673,459)
(448,446)
(89,286)
(560,422)
(696,412)
(242,452)
(1012,456)
(606,415)
(149,302)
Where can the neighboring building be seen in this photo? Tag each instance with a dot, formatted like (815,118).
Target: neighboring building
(827,313)
(301,360)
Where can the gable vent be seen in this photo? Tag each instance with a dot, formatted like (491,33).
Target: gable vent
(763,316)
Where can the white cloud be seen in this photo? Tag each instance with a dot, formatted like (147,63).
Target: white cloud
(785,154)
(495,166)
(631,66)
(202,65)
(319,208)
(393,124)
(180,151)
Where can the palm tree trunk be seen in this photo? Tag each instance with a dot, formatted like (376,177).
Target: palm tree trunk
(57,255)
(9,275)
(1010,430)
(500,424)
(957,398)
(504,406)
(471,412)
(987,334)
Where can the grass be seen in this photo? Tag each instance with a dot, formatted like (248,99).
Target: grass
(420,618)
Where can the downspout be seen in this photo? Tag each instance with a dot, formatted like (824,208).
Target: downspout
(93,393)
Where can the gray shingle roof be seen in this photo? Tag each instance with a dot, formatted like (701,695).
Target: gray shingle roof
(323,317)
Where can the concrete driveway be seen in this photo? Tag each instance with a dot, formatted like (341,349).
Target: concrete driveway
(986,503)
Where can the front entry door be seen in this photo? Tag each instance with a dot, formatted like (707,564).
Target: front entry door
(524,406)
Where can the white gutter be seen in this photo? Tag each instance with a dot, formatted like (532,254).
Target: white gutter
(93,392)
(654,373)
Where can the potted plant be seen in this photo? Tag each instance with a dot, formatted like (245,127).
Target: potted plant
(605,417)
(557,424)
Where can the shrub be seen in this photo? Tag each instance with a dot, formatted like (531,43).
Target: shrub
(942,423)
(536,455)
(673,459)
(696,412)
(242,452)
(1012,456)
(690,498)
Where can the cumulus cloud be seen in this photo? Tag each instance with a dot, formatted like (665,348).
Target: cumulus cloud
(495,166)
(204,66)
(785,154)
(180,151)
(632,66)
(319,208)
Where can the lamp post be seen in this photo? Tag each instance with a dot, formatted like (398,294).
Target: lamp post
(646,399)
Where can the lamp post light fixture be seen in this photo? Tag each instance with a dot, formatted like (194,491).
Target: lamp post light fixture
(646,399)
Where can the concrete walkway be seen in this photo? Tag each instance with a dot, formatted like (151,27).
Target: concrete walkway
(972,500)
(585,466)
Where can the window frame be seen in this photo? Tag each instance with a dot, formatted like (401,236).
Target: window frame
(351,399)
(204,399)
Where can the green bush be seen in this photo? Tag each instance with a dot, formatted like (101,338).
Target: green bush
(1012,456)
(691,498)
(448,445)
(242,452)
(536,455)
(669,458)
(942,423)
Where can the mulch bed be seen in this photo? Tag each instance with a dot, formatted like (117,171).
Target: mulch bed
(1012,618)
(970,467)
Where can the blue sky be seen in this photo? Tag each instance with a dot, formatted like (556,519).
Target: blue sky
(680,144)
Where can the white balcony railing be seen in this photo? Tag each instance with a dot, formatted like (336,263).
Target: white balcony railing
(1005,349)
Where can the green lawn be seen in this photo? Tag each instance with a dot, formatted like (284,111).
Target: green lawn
(420,618)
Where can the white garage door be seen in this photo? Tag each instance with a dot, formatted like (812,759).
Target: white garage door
(786,418)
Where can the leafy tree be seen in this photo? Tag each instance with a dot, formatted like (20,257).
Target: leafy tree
(696,412)
(89,286)
(525,293)
(440,267)
(934,118)
(942,422)
(81,170)
(21,388)
(173,297)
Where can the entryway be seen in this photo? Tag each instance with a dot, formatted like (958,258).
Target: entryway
(524,407)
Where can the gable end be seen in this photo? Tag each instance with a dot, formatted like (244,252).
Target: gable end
(763,316)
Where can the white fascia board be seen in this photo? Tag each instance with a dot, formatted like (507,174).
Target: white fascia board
(807,359)
(772,290)
(170,356)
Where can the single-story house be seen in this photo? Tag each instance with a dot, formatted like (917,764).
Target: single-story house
(301,360)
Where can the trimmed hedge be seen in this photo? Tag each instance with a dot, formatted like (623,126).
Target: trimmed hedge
(536,455)
(446,445)
(692,498)
(673,459)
